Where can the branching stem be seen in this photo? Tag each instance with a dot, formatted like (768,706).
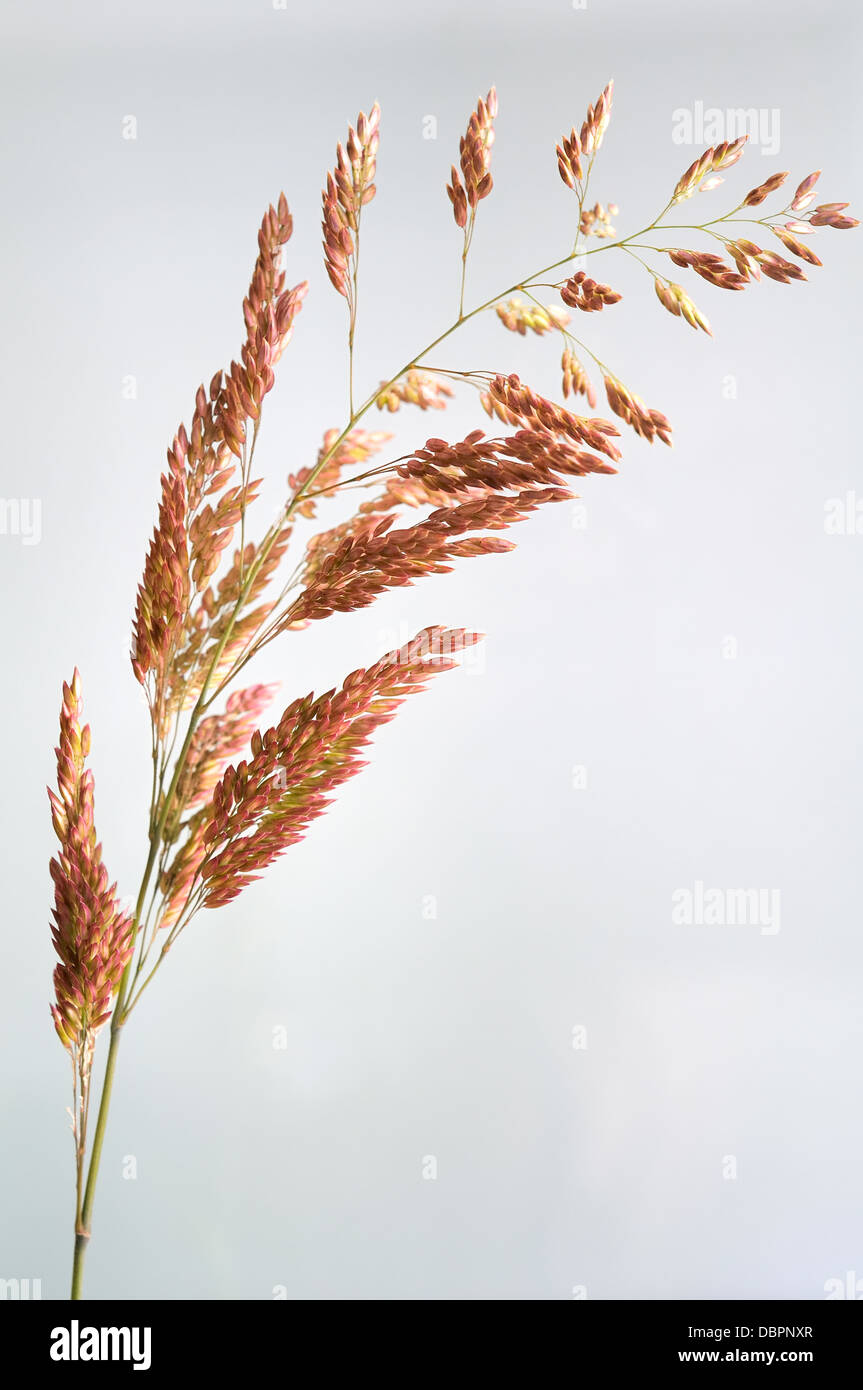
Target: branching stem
(162,804)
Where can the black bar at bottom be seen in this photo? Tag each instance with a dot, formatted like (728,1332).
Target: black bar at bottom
(224,1339)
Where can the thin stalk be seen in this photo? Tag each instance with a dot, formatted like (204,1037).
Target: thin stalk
(82,1223)
(352,329)
(468,237)
(245,474)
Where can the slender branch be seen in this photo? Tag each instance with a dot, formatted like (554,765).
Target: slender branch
(245,474)
(82,1223)
(354,299)
(468,238)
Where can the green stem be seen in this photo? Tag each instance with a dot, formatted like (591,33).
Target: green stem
(463,280)
(353,319)
(81,1242)
(82,1224)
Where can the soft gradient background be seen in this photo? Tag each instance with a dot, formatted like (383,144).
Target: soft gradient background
(410,1035)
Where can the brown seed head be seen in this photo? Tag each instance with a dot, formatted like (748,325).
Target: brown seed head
(575,378)
(519,317)
(266,803)
(580,292)
(475,183)
(795,246)
(416,387)
(350,186)
(803,194)
(763,191)
(91,934)
(649,424)
(710,267)
(675,299)
(596,221)
(713,159)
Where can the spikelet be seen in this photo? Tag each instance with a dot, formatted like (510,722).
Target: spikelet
(803,194)
(717,157)
(350,186)
(580,292)
(578,149)
(217,739)
(744,254)
(522,318)
(269,311)
(596,121)
(777,268)
(515,403)
(756,196)
(486,484)
(163,594)
(569,160)
(178,879)
(200,507)
(649,424)
(831,215)
(793,244)
(265,804)
(709,266)
(365,565)
(476,182)
(575,378)
(356,448)
(596,221)
(397,492)
(675,299)
(416,387)
(91,934)
(206,640)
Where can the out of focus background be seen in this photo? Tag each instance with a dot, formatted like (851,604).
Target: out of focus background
(480,1036)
